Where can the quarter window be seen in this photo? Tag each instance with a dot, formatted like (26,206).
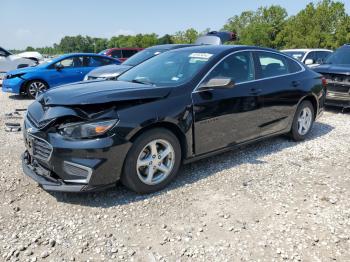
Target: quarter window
(271,64)
(239,67)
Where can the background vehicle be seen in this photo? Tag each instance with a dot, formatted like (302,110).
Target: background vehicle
(336,69)
(113,71)
(120,53)
(310,57)
(139,129)
(62,70)
(9,61)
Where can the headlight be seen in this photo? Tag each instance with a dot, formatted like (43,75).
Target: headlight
(86,78)
(86,129)
(10,76)
(110,76)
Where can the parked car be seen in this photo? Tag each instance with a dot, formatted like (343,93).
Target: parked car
(120,53)
(310,57)
(62,70)
(113,71)
(178,107)
(9,61)
(336,69)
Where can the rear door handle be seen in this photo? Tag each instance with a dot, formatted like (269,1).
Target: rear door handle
(295,83)
(255,91)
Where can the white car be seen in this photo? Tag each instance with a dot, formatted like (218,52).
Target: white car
(10,61)
(308,56)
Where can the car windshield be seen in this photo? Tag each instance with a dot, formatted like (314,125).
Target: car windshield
(142,56)
(295,54)
(170,68)
(340,57)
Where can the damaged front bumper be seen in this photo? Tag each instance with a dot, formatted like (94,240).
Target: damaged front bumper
(44,178)
(60,164)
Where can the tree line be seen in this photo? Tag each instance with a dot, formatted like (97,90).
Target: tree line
(325,24)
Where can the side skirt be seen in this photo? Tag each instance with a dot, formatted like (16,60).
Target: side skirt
(230,148)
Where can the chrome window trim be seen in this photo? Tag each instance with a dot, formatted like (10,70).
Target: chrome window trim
(80,181)
(195,90)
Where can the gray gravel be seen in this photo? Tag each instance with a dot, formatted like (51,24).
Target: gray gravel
(272,201)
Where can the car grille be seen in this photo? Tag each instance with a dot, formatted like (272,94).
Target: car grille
(41,148)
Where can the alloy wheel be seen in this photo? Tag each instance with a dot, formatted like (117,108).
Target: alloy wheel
(304,121)
(36,87)
(155,162)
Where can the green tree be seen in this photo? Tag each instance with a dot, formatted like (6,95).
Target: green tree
(260,27)
(185,37)
(324,25)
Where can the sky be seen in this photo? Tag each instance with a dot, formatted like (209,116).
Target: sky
(41,23)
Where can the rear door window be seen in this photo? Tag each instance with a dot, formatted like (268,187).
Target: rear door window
(271,64)
(116,53)
(95,61)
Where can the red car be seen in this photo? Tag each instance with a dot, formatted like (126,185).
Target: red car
(120,53)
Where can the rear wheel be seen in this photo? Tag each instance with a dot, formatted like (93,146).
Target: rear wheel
(35,87)
(152,162)
(303,121)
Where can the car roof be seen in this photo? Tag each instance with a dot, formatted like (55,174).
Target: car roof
(124,48)
(79,54)
(216,49)
(306,50)
(169,46)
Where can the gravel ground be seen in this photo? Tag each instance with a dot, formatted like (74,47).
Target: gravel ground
(272,201)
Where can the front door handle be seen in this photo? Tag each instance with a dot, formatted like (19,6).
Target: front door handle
(255,91)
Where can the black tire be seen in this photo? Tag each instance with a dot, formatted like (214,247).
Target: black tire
(130,177)
(39,84)
(295,131)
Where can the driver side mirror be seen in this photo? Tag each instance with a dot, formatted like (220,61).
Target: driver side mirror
(218,82)
(309,62)
(58,67)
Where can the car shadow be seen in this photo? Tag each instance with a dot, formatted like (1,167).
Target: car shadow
(251,154)
(336,109)
(20,97)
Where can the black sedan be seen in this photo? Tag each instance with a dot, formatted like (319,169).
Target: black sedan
(175,108)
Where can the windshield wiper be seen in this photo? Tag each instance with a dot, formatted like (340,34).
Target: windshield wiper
(142,82)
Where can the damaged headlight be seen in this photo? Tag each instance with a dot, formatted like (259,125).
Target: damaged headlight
(86,129)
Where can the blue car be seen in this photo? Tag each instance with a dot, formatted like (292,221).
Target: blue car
(62,70)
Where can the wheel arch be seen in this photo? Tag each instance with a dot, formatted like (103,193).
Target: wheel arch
(170,127)
(25,83)
(314,102)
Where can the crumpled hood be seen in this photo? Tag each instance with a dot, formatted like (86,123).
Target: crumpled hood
(99,92)
(23,70)
(333,69)
(108,70)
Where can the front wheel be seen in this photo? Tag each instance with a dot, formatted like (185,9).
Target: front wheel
(152,162)
(303,121)
(33,88)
